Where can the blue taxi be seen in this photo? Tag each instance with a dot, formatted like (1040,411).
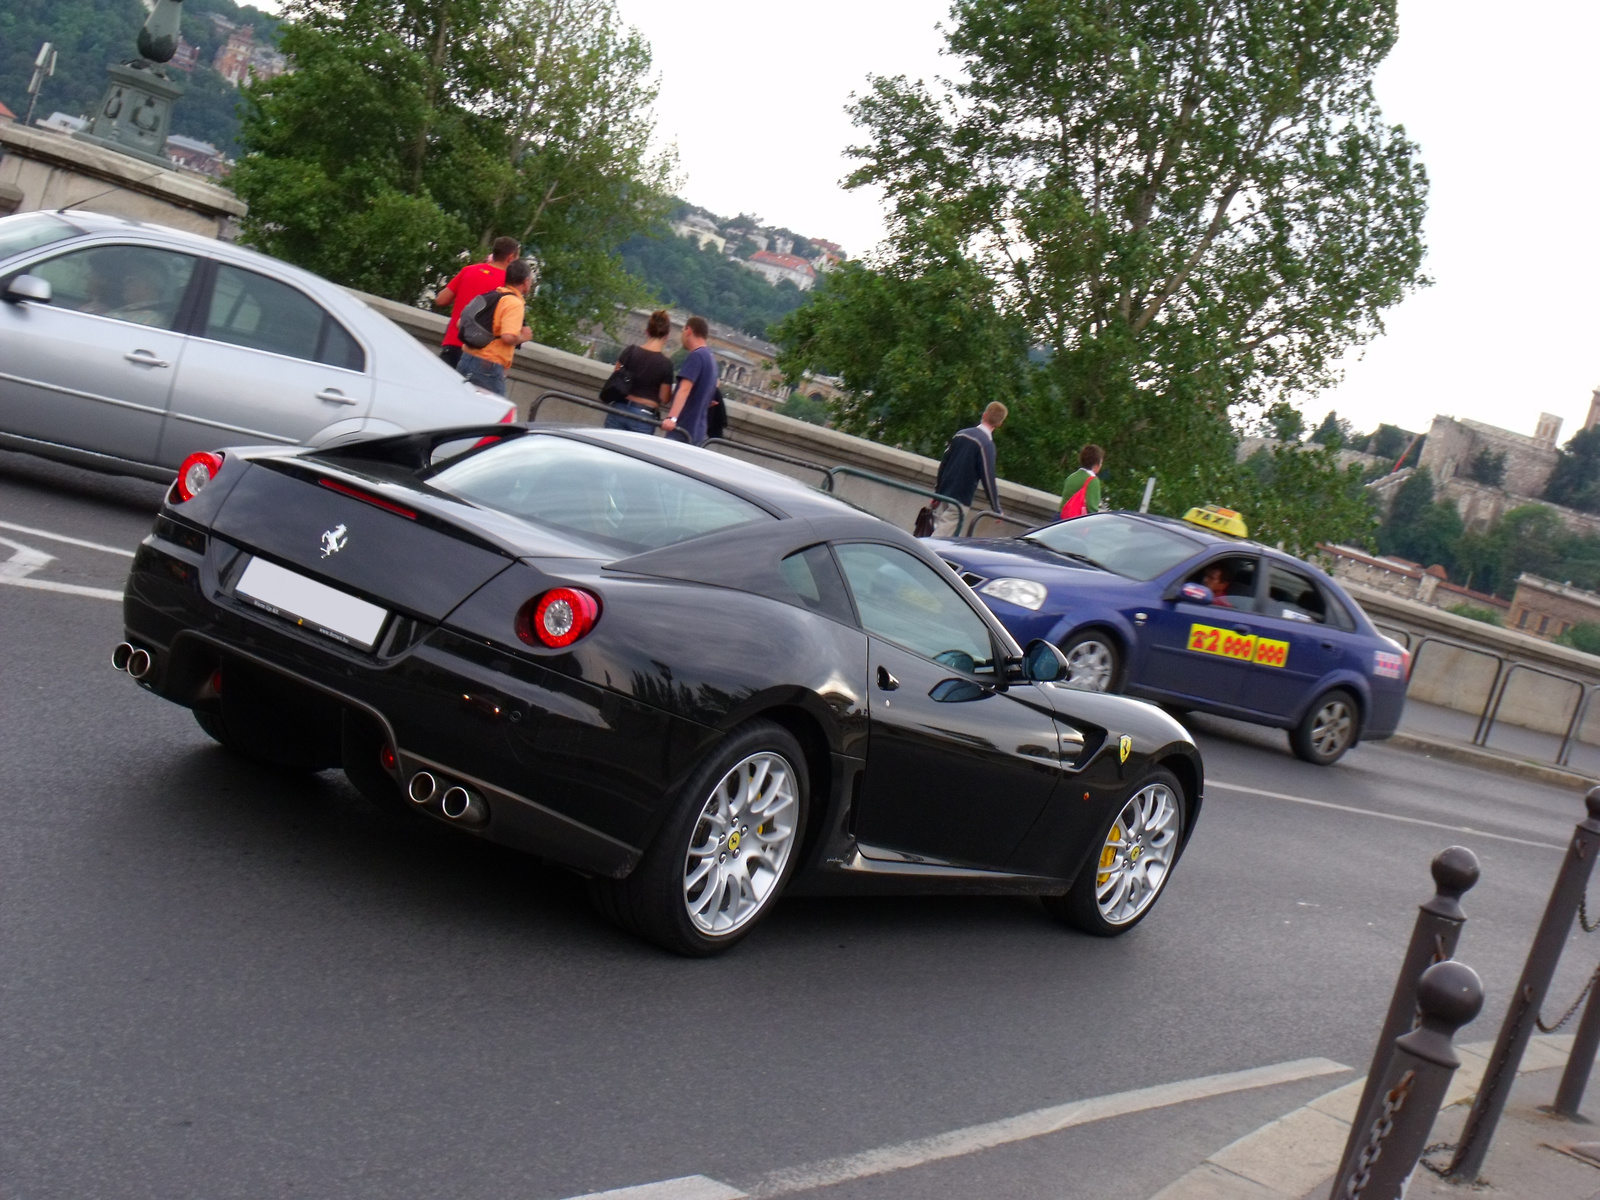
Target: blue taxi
(1194,615)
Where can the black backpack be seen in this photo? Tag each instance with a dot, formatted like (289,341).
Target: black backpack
(476,326)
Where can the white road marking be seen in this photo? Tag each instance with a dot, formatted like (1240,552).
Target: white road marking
(61,537)
(1369,812)
(974,1138)
(25,560)
(690,1187)
(70,589)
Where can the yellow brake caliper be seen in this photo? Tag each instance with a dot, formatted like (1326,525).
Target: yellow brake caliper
(1108,856)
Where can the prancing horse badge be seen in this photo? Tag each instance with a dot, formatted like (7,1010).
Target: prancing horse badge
(1124,748)
(333,541)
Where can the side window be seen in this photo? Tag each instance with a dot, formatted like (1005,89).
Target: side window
(903,600)
(252,310)
(1232,581)
(339,349)
(816,583)
(139,284)
(1338,615)
(1294,597)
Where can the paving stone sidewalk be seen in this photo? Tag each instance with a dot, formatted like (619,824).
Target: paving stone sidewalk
(1294,1157)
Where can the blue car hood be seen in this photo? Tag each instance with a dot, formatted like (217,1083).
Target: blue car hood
(993,557)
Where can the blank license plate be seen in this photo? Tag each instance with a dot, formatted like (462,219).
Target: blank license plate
(314,605)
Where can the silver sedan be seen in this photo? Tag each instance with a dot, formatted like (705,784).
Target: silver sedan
(126,347)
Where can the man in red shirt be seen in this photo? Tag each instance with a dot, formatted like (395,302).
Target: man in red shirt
(469,282)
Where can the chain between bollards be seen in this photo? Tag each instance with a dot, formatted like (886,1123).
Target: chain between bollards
(1391,1138)
(1433,940)
(1572,880)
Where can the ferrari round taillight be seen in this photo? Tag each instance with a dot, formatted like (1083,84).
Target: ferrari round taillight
(196,471)
(557,618)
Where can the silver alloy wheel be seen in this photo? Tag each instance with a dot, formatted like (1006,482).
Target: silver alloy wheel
(1138,854)
(741,843)
(1332,727)
(1090,666)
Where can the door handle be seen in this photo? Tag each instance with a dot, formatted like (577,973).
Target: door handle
(886,681)
(335,396)
(146,359)
(1242,630)
(1327,645)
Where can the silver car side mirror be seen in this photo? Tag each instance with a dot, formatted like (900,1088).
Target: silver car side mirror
(30,289)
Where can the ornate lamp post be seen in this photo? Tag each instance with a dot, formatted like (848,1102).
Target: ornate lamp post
(136,111)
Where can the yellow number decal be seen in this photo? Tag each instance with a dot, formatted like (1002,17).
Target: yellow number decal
(1272,654)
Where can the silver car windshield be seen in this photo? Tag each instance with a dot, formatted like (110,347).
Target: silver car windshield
(30,231)
(593,493)
(1124,545)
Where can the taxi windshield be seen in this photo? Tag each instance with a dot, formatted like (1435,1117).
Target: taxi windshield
(1117,543)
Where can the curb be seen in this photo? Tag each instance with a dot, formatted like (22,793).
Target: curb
(1489,760)
(1286,1159)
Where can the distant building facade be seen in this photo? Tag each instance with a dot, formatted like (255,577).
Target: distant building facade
(1547,609)
(778,268)
(1454,443)
(1406,579)
(191,154)
(241,59)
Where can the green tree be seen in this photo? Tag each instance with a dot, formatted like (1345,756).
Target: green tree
(1575,482)
(1488,468)
(1420,529)
(1529,538)
(1585,636)
(1165,213)
(1475,612)
(1333,432)
(412,132)
(1285,421)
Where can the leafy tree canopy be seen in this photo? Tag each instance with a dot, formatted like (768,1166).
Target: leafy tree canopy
(1333,432)
(413,132)
(1130,221)
(1575,482)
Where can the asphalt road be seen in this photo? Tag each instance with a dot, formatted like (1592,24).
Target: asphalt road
(219,982)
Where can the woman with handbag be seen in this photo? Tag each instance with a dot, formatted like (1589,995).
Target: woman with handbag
(641,382)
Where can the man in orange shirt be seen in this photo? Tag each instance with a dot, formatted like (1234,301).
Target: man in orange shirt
(472,281)
(487,367)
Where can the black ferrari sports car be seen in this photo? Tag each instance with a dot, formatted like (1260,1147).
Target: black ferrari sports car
(690,679)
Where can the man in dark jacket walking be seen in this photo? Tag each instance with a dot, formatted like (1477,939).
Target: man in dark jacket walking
(968,461)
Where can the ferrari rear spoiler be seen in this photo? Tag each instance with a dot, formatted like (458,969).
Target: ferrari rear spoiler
(415,451)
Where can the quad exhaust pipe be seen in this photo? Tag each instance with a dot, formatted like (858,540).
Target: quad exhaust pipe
(457,803)
(136,661)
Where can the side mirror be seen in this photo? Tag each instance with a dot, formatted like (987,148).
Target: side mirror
(1197,593)
(30,289)
(1043,662)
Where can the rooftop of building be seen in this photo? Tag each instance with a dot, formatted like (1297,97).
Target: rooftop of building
(790,262)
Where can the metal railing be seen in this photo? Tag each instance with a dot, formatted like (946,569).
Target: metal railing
(887,481)
(611,410)
(730,447)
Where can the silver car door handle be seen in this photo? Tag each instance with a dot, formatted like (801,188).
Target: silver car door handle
(335,396)
(146,359)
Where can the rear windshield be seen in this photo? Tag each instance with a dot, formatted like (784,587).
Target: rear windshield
(1127,546)
(30,231)
(593,493)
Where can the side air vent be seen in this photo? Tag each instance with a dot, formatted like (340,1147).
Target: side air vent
(971,579)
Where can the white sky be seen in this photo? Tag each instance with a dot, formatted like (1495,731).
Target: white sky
(1500,99)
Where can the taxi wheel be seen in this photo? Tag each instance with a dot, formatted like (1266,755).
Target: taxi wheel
(726,851)
(1328,729)
(1094,662)
(1137,850)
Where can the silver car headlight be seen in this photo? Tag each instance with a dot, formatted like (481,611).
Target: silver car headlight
(1024,593)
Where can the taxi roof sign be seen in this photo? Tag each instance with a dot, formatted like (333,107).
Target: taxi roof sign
(1218,520)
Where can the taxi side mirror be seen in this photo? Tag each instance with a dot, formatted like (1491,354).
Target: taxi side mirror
(1196,593)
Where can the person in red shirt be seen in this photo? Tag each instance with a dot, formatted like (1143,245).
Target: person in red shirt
(469,282)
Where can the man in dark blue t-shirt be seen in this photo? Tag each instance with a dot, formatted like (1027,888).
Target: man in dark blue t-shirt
(697,383)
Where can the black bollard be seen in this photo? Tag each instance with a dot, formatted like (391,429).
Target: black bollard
(1433,940)
(1569,1096)
(1449,994)
(1543,956)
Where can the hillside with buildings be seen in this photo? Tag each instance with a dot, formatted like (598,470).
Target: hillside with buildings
(737,271)
(224,45)
(1477,526)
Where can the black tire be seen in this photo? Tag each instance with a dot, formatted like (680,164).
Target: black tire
(1095,661)
(271,721)
(1329,728)
(1081,907)
(654,901)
